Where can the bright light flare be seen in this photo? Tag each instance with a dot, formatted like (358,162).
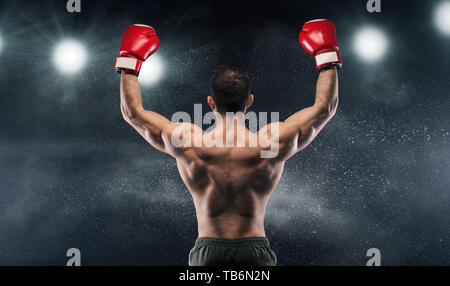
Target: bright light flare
(151,71)
(370,44)
(69,56)
(442,18)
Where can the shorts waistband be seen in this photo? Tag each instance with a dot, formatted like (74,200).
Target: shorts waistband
(263,241)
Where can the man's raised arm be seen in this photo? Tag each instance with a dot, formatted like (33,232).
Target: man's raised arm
(318,38)
(151,125)
(138,43)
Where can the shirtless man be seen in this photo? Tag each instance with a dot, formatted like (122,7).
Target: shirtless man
(230,186)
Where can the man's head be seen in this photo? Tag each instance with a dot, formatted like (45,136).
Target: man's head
(230,90)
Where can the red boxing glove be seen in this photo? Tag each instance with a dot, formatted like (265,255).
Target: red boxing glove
(138,43)
(318,38)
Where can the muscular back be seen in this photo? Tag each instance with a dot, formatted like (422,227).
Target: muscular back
(230,187)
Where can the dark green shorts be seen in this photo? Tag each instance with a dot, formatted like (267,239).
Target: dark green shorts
(254,251)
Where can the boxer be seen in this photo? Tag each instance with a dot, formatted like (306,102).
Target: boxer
(231,185)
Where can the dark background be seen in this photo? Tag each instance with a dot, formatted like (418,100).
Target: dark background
(74,174)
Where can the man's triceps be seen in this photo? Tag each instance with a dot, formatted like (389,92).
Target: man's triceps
(299,130)
(151,126)
(310,130)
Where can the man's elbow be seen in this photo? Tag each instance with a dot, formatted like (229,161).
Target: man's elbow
(331,107)
(130,114)
(332,110)
(328,109)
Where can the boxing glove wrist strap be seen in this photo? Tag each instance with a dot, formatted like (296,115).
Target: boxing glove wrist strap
(127,63)
(328,58)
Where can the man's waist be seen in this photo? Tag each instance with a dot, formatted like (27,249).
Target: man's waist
(254,240)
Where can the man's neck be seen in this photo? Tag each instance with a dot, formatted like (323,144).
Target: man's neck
(231,121)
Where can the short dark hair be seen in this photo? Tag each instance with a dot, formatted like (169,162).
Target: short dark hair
(230,89)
